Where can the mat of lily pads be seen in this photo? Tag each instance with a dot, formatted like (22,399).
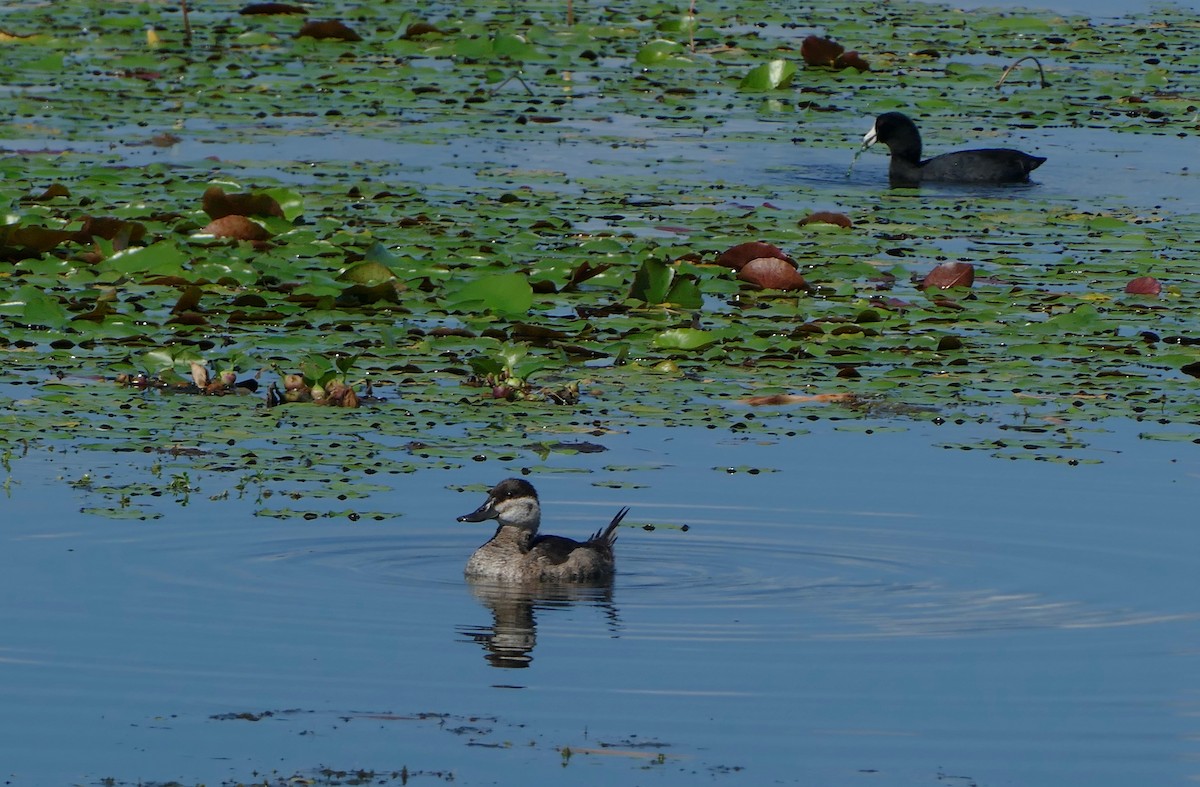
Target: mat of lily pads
(497,224)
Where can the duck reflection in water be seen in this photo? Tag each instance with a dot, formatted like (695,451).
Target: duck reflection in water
(512,636)
(519,570)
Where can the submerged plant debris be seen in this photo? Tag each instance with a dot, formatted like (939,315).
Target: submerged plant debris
(508,221)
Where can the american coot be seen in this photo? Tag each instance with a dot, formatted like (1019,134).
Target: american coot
(986,165)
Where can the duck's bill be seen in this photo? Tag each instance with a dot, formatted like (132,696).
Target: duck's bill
(869,139)
(483,513)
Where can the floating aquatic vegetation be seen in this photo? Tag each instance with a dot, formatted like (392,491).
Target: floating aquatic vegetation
(539,192)
(506,370)
(322,381)
(818,51)
(328,29)
(774,75)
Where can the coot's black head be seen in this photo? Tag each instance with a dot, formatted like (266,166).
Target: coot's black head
(899,133)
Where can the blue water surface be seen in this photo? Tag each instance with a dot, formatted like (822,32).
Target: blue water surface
(862,606)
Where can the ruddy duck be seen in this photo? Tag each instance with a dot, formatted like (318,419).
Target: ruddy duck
(518,554)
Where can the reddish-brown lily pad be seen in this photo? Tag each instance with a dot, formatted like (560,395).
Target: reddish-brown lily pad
(54,190)
(852,59)
(419,29)
(827,217)
(17,242)
(110,228)
(950,274)
(1144,285)
(217,204)
(772,273)
(328,28)
(272,8)
(238,227)
(818,51)
(737,256)
(585,271)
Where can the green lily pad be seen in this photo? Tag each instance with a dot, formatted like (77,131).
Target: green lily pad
(504,294)
(768,76)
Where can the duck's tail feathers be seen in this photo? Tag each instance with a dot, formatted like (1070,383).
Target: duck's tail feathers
(608,535)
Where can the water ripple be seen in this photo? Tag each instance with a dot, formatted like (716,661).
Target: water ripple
(739,581)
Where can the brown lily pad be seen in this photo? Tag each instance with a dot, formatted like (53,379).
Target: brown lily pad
(818,51)
(1144,285)
(17,242)
(328,29)
(189,299)
(420,29)
(585,271)
(267,9)
(238,227)
(737,256)
(110,228)
(54,190)
(827,217)
(217,204)
(852,60)
(772,273)
(950,274)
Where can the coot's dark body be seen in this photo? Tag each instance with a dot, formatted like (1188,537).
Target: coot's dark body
(983,166)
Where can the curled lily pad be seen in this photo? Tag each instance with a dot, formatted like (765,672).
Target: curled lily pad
(370,281)
(218,204)
(18,242)
(660,51)
(1144,285)
(111,228)
(737,256)
(854,60)
(818,51)
(768,76)
(54,191)
(657,282)
(827,217)
(772,273)
(368,272)
(950,274)
(328,29)
(238,227)
(271,9)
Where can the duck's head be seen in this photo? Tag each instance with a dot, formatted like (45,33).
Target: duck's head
(513,502)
